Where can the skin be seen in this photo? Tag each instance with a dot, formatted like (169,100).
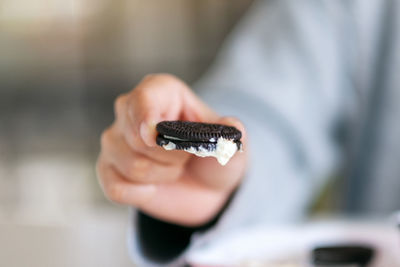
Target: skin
(173,186)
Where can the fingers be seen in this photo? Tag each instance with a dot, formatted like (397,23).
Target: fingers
(185,203)
(129,145)
(212,174)
(117,189)
(156,98)
(171,185)
(163,97)
(135,143)
(134,166)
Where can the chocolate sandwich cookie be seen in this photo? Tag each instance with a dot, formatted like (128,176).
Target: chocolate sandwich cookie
(202,139)
(343,255)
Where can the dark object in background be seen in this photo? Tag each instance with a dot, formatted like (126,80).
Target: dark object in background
(345,254)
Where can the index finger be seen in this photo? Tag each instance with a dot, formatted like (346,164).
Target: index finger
(164,97)
(157,98)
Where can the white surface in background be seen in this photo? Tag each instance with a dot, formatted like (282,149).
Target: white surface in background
(49,216)
(93,241)
(262,245)
(52,189)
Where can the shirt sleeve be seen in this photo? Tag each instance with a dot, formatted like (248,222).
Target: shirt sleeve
(284,72)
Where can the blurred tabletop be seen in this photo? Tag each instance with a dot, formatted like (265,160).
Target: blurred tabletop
(101,241)
(89,242)
(291,245)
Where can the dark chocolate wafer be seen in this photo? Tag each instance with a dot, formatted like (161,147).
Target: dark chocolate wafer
(202,139)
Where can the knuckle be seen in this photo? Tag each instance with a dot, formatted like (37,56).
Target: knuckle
(171,79)
(105,138)
(172,174)
(115,193)
(99,166)
(160,76)
(132,140)
(177,172)
(100,171)
(119,105)
(128,171)
(141,168)
(149,77)
(164,78)
(144,94)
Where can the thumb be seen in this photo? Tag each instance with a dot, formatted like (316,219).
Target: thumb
(235,122)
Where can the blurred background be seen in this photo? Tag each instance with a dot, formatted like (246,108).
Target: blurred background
(62,63)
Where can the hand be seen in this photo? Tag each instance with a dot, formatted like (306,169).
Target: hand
(173,186)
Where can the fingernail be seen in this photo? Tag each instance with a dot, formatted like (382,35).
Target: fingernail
(145,134)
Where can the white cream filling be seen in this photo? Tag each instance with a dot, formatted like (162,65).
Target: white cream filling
(174,138)
(224,151)
(169,146)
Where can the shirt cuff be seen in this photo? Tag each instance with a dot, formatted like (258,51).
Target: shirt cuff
(153,242)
